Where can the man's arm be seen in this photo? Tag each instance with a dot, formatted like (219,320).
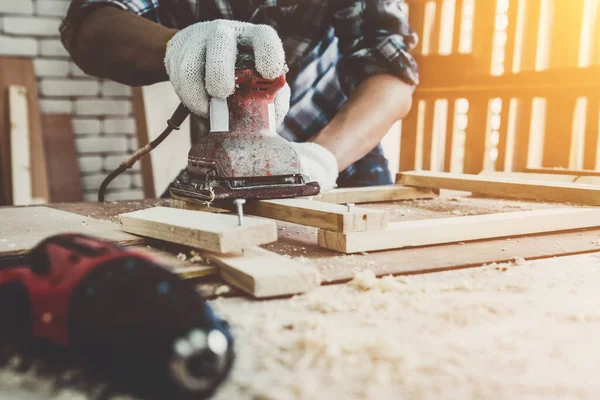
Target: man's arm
(122,46)
(363,121)
(377,73)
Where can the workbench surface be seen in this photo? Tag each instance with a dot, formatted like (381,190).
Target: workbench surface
(502,331)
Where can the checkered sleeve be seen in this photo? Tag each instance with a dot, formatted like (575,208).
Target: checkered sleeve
(374,37)
(80,8)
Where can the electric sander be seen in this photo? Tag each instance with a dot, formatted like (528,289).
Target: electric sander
(242,157)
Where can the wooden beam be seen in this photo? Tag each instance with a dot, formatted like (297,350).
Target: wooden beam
(208,231)
(264,274)
(333,217)
(529,176)
(374,194)
(141,132)
(461,229)
(19,145)
(563,171)
(505,188)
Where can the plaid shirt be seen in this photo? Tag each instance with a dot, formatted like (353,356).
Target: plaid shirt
(331,46)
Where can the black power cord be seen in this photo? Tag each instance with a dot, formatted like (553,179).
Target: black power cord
(174,123)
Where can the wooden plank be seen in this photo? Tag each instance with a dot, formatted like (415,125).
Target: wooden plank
(374,194)
(63,170)
(333,217)
(141,133)
(522,134)
(19,145)
(461,229)
(17,71)
(449,144)
(208,231)
(22,228)
(578,172)
(592,133)
(428,131)
(308,212)
(264,274)
(476,134)
(504,187)
(528,176)
(408,139)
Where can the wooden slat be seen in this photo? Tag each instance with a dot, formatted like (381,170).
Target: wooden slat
(449,145)
(529,176)
(504,188)
(428,131)
(416,17)
(522,133)
(141,132)
(374,194)
(333,217)
(16,71)
(458,7)
(19,145)
(562,171)
(208,231)
(22,228)
(564,52)
(461,229)
(408,139)
(264,274)
(592,134)
(63,168)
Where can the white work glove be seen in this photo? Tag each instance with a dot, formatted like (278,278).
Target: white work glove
(318,163)
(200,62)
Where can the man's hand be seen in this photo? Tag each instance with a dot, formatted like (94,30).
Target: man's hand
(318,163)
(200,62)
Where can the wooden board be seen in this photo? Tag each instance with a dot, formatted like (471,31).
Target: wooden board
(19,145)
(208,231)
(141,133)
(505,187)
(16,71)
(63,169)
(461,229)
(374,194)
(530,176)
(306,212)
(262,273)
(22,228)
(317,214)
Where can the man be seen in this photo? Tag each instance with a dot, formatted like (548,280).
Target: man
(350,74)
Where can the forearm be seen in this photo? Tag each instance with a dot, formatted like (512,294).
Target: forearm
(121,46)
(367,116)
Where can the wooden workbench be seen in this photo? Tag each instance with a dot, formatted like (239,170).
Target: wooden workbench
(300,242)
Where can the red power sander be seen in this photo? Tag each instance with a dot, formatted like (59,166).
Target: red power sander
(242,157)
(119,311)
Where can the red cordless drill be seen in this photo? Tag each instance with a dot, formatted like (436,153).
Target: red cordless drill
(119,311)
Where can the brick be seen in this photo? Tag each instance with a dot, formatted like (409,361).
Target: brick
(31,26)
(103,107)
(85,126)
(65,88)
(133,143)
(110,88)
(51,68)
(55,8)
(13,46)
(16,7)
(112,162)
(76,71)
(90,164)
(50,106)
(92,182)
(53,48)
(136,181)
(92,144)
(125,195)
(119,126)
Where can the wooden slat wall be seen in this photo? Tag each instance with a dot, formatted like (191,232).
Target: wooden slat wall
(517,146)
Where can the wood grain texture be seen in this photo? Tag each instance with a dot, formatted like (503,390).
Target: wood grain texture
(19,146)
(262,273)
(16,71)
(374,194)
(530,176)
(333,217)
(208,231)
(63,168)
(461,229)
(505,187)
(22,228)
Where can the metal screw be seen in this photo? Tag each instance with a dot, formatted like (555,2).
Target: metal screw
(349,205)
(240,210)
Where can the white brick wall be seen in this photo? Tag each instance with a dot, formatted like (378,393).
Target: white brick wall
(102,115)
